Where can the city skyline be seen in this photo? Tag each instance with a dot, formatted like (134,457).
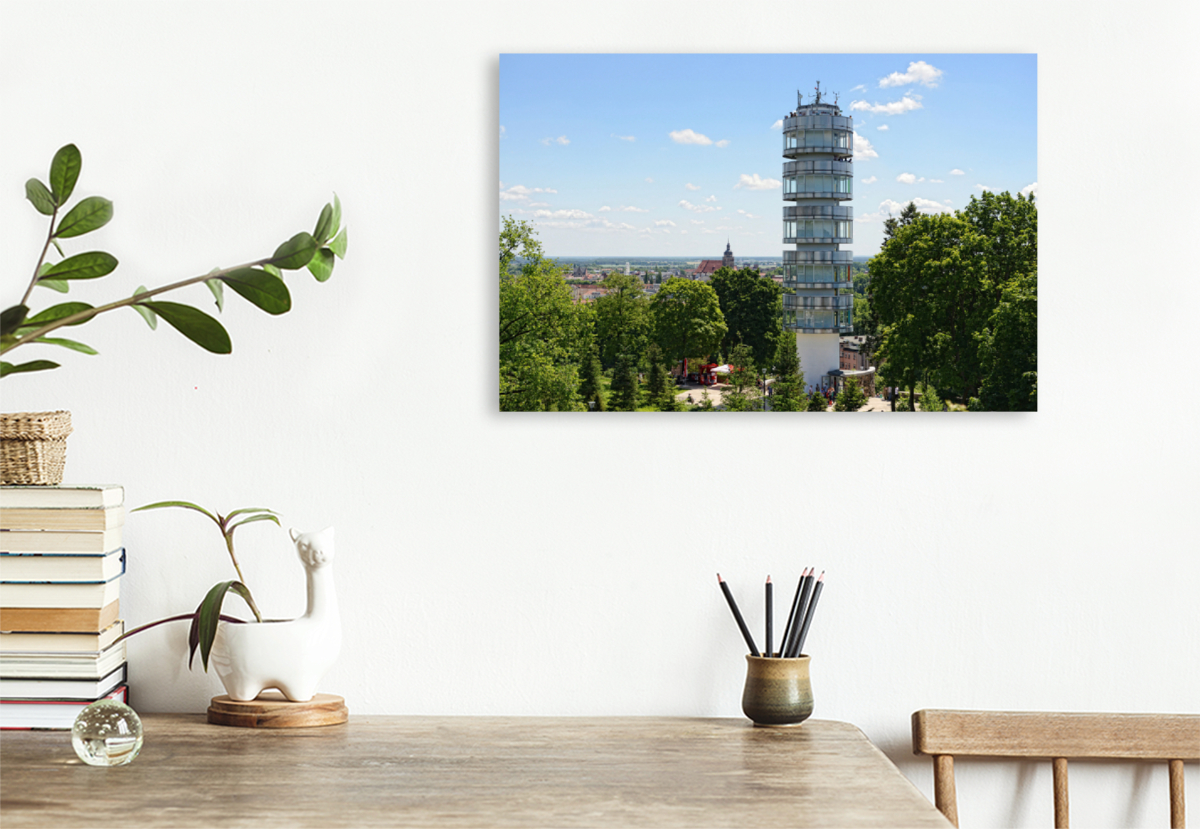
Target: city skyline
(673,155)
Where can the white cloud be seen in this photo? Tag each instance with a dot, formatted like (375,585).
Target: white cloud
(649,180)
(691,186)
(710,198)
(936,181)
(906,178)
(957,172)
(863,149)
(905,104)
(689,137)
(861,86)
(947,201)
(983,187)
(723,143)
(631,209)
(870,180)
(697,221)
(748,215)
(778,125)
(683,233)
(519,192)
(889,207)
(562,139)
(664,223)
(501,130)
(883,127)
(697,208)
(624,137)
(539,204)
(1030,190)
(562,214)
(754,182)
(918,72)
(604,209)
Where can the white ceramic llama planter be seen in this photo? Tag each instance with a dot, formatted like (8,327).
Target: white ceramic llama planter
(291,655)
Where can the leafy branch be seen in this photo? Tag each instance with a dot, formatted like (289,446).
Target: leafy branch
(206,616)
(259,281)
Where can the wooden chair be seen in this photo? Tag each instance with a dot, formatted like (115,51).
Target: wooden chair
(945,735)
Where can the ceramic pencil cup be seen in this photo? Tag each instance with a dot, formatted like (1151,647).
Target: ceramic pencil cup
(778,691)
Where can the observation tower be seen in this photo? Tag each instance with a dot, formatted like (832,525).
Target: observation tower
(817,179)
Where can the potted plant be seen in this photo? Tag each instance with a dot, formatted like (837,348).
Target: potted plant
(249,657)
(33,445)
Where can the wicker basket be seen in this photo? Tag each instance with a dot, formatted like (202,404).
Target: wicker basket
(33,447)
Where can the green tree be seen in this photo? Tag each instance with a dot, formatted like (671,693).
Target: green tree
(816,403)
(1009,349)
(624,385)
(742,378)
(658,380)
(852,398)
(686,318)
(787,392)
(930,400)
(590,383)
(541,330)
(622,318)
(752,307)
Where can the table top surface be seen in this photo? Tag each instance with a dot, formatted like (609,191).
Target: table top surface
(466,771)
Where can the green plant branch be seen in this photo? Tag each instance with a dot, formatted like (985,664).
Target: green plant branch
(82,316)
(178,618)
(37,269)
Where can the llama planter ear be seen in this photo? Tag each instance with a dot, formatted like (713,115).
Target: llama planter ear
(291,656)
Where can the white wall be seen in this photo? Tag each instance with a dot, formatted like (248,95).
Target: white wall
(559,565)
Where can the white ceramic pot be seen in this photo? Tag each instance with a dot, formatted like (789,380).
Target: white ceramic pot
(292,655)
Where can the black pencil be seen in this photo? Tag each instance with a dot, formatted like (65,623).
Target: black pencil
(808,616)
(770,613)
(792,649)
(737,615)
(791,622)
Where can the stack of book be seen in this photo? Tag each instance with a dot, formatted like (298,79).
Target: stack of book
(61,562)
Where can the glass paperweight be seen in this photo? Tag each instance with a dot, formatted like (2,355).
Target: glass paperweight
(107,733)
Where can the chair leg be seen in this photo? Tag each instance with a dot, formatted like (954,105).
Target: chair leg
(1178,821)
(943,787)
(1062,817)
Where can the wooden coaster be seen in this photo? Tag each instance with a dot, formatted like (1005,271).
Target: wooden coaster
(271,709)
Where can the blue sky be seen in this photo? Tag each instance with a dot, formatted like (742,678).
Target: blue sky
(671,155)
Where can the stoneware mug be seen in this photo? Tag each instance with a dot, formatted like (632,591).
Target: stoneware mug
(778,691)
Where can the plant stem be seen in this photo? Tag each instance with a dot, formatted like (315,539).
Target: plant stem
(133,300)
(178,618)
(37,269)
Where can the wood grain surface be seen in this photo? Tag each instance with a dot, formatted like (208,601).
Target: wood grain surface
(271,709)
(466,771)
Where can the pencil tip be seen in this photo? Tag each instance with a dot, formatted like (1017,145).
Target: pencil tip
(768,579)
(719,577)
(822,576)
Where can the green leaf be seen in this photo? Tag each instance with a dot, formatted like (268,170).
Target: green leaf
(251,520)
(149,316)
(338,245)
(325,227)
(337,214)
(261,288)
(64,172)
(194,324)
(39,195)
(245,510)
(56,312)
(60,285)
(89,265)
(218,292)
(208,615)
(322,264)
(36,365)
(11,319)
(91,213)
(182,504)
(295,252)
(274,271)
(58,248)
(65,343)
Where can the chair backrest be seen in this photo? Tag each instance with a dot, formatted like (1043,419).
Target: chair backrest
(945,735)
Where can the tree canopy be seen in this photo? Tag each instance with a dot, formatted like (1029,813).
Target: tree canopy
(543,334)
(687,319)
(752,306)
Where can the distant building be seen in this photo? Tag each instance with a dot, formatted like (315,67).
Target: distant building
(708,267)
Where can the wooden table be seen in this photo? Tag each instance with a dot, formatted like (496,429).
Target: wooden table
(466,771)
